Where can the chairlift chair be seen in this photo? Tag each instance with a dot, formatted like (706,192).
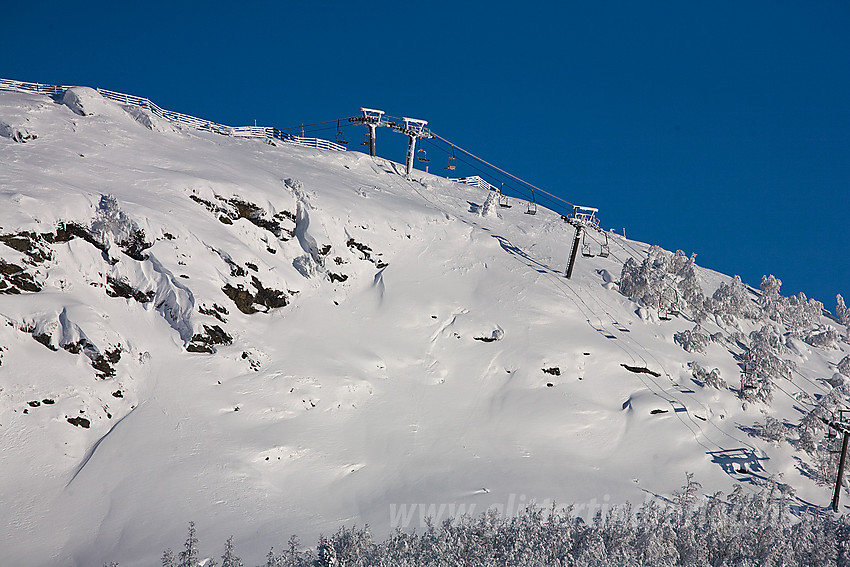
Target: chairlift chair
(340,137)
(674,306)
(503,199)
(452,161)
(367,141)
(421,154)
(532,205)
(605,248)
(585,246)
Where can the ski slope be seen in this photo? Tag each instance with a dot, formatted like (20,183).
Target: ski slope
(270,340)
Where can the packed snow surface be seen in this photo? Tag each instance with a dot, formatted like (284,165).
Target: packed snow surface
(270,340)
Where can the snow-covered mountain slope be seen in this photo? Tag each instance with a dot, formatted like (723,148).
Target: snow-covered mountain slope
(271,340)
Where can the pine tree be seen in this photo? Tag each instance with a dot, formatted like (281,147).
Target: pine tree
(326,553)
(189,556)
(229,558)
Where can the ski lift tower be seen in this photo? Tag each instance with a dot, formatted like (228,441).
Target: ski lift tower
(372,119)
(414,128)
(842,425)
(582,218)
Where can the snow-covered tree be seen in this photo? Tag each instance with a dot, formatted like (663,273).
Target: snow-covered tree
(770,300)
(664,281)
(842,311)
(824,337)
(326,553)
(763,365)
(112,225)
(799,314)
(844,365)
(711,378)
(772,430)
(189,556)
(273,560)
(690,289)
(692,340)
(229,558)
(730,302)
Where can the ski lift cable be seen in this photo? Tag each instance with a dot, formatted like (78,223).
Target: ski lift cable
(478,169)
(500,169)
(343,119)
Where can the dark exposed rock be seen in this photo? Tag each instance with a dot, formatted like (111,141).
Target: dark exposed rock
(32,244)
(121,288)
(216,311)
(230,210)
(80,422)
(104,363)
(45,339)
(212,335)
(640,370)
(14,279)
(367,253)
(135,246)
(246,301)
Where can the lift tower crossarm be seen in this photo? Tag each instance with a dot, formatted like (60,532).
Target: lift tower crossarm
(371,118)
(414,128)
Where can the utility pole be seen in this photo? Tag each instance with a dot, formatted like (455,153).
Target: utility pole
(581,219)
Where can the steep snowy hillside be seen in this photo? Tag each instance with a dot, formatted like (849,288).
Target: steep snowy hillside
(269,340)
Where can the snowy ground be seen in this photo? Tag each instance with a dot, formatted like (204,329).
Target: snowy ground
(369,397)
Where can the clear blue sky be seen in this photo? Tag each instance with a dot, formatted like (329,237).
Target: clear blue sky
(721,128)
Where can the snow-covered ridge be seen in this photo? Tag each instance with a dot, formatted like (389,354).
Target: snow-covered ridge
(198,326)
(79,97)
